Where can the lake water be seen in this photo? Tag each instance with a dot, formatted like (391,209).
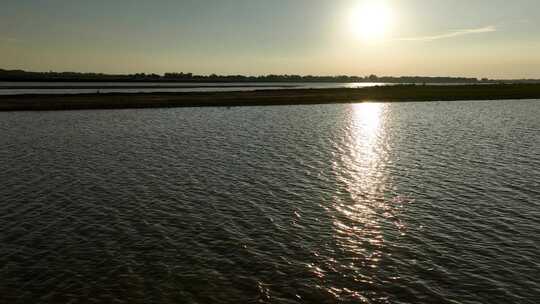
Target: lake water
(18,88)
(357,203)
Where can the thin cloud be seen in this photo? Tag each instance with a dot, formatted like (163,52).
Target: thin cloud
(481,30)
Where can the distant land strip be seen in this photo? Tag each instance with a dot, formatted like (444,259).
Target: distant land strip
(399,93)
(155,86)
(29,76)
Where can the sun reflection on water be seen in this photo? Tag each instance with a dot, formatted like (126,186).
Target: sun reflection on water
(367,116)
(365,209)
(366,134)
(367,152)
(358,229)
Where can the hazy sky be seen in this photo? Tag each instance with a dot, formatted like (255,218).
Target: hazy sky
(491,38)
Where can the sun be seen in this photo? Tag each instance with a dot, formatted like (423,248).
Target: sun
(372,21)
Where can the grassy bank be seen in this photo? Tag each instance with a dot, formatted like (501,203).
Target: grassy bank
(270,97)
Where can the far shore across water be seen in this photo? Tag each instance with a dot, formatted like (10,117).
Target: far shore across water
(399,93)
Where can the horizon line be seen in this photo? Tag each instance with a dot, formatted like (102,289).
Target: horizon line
(163,74)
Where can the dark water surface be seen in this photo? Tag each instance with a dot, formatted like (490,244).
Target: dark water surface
(367,203)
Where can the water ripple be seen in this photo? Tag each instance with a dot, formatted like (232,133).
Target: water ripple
(367,203)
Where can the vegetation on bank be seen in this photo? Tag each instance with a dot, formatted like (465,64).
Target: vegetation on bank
(399,93)
(20,75)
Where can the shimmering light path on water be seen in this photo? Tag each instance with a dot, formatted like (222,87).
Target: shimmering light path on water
(362,203)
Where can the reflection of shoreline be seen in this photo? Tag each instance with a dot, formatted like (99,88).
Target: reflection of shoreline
(267,97)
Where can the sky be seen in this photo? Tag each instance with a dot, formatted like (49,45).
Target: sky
(473,38)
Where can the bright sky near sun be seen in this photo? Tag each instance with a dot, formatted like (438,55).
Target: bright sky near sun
(479,38)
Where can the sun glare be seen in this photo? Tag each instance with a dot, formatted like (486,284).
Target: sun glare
(371,21)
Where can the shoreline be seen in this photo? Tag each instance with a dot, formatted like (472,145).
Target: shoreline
(156,86)
(399,93)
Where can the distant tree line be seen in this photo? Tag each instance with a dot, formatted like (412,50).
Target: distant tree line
(20,75)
